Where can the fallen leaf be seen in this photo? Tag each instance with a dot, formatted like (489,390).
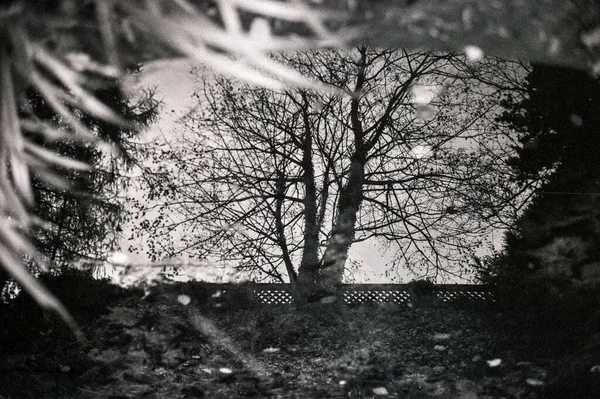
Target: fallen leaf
(184,300)
(534,382)
(270,350)
(441,336)
(328,299)
(380,391)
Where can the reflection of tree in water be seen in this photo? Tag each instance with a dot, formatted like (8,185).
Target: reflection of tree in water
(35,38)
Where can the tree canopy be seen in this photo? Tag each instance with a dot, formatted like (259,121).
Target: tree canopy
(282,183)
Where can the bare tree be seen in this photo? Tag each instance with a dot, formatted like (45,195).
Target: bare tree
(284,182)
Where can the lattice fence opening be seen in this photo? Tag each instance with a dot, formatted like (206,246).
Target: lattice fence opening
(400,296)
(376,296)
(274,297)
(475,296)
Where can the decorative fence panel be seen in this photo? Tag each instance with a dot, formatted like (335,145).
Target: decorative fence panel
(277,294)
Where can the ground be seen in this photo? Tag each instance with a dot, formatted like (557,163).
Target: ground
(184,343)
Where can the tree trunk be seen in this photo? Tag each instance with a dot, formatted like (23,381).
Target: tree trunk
(308,271)
(287,261)
(342,234)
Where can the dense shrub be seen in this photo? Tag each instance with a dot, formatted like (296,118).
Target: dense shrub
(217,296)
(423,287)
(422,292)
(240,296)
(84,297)
(540,299)
(81,293)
